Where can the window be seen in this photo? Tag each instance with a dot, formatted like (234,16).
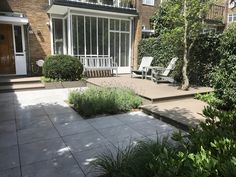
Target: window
(57,25)
(97,36)
(148,2)
(18,39)
(232,18)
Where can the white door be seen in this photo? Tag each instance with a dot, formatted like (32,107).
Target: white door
(19,49)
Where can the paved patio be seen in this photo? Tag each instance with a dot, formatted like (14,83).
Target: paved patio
(148,89)
(40,136)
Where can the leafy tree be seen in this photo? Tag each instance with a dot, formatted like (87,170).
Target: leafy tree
(179,23)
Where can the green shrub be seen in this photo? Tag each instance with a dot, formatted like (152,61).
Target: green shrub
(208,151)
(209,98)
(227,45)
(106,100)
(152,47)
(203,57)
(224,83)
(62,67)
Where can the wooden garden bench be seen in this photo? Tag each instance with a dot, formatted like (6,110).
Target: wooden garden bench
(94,63)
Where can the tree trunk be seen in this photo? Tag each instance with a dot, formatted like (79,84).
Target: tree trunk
(185,84)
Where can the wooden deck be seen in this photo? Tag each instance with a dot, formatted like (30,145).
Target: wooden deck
(163,101)
(148,89)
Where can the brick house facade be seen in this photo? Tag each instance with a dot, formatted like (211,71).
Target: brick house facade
(33,29)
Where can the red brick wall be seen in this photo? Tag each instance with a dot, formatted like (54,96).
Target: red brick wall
(35,10)
(146,12)
(39,41)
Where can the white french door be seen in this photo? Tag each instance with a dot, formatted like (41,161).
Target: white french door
(19,49)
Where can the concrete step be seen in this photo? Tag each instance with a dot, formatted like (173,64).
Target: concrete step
(183,113)
(16,83)
(18,80)
(21,87)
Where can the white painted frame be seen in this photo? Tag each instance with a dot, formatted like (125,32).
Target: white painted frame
(70,35)
(20,57)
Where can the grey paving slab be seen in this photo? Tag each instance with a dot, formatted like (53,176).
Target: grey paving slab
(57,109)
(161,126)
(59,118)
(41,116)
(119,133)
(7,126)
(8,139)
(146,129)
(7,107)
(73,127)
(86,158)
(132,117)
(30,111)
(84,141)
(105,122)
(7,115)
(57,167)
(9,157)
(36,134)
(33,122)
(42,150)
(13,172)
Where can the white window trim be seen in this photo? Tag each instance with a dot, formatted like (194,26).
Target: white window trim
(145,2)
(233,15)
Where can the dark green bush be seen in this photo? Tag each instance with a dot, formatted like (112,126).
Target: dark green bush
(152,47)
(224,83)
(203,57)
(62,67)
(224,75)
(106,100)
(208,151)
(227,45)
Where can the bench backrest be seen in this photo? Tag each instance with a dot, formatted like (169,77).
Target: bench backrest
(98,62)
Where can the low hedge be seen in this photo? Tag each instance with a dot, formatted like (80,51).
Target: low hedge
(62,67)
(95,101)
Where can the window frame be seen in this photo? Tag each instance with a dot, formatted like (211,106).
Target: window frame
(146,2)
(232,16)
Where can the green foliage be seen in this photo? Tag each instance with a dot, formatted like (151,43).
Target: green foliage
(116,164)
(208,151)
(209,98)
(94,101)
(169,22)
(152,47)
(228,42)
(62,67)
(223,77)
(224,82)
(203,58)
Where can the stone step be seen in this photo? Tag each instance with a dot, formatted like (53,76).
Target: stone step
(183,113)
(18,80)
(21,87)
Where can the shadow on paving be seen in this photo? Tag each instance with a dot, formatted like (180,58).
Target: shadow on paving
(46,138)
(181,118)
